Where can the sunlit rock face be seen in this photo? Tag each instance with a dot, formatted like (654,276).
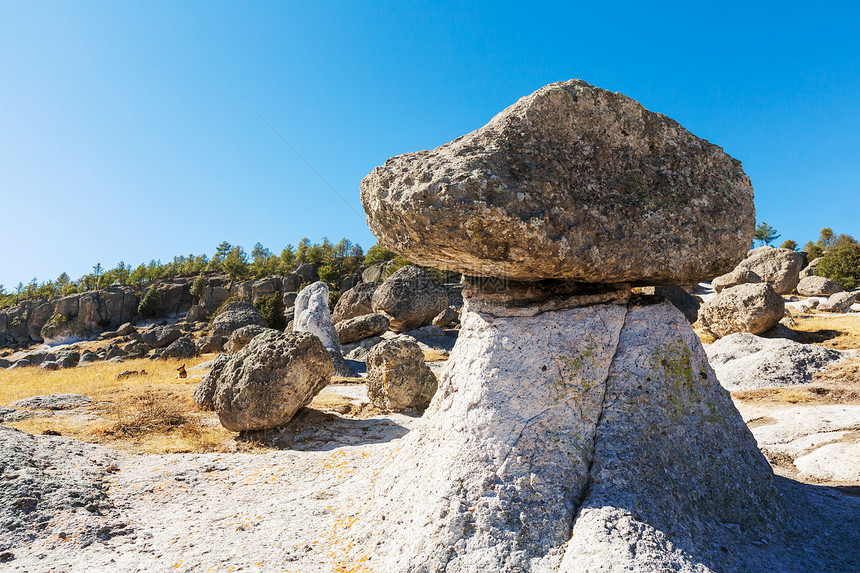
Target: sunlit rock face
(571,182)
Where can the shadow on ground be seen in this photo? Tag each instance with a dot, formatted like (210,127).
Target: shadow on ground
(313,430)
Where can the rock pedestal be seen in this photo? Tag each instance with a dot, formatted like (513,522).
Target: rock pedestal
(548,429)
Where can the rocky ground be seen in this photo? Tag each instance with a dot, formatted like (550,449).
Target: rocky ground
(286,500)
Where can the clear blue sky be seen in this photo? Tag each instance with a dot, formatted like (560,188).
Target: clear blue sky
(129,130)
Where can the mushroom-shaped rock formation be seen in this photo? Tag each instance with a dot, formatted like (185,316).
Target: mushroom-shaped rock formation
(576,426)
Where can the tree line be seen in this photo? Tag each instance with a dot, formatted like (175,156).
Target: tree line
(839,254)
(334,260)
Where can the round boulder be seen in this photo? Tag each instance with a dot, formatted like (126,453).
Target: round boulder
(180,348)
(751,308)
(354,302)
(160,336)
(235,315)
(817,286)
(779,267)
(397,377)
(409,299)
(739,276)
(267,382)
(361,327)
(571,182)
(241,337)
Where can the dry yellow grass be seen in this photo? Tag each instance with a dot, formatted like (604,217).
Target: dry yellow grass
(832,331)
(151,413)
(839,383)
(434,356)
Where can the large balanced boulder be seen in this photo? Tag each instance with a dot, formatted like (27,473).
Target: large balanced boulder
(576,427)
(361,327)
(739,276)
(312,315)
(409,299)
(571,182)
(743,361)
(778,267)
(235,315)
(354,302)
(751,308)
(817,286)
(267,382)
(397,377)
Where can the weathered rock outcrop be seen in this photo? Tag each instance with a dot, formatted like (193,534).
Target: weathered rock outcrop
(571,182)
(265,384)
(312,315)
(409,299)
(574,429)
(397,377)
(753,308)
(235,315)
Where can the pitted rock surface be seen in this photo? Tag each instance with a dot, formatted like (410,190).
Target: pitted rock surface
(570,182)
(743,361)
(778,267)
(397,377)
(409,299)
(267,382)
(753,307)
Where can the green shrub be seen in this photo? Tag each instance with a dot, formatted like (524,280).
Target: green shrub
(397,264)
(333,297)
(329,274)
(377,254)
(841,263)
(199,285)
(272,308)
(149,304)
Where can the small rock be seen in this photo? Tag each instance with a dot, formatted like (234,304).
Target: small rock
(397,377)
(739,276)
(839,302)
